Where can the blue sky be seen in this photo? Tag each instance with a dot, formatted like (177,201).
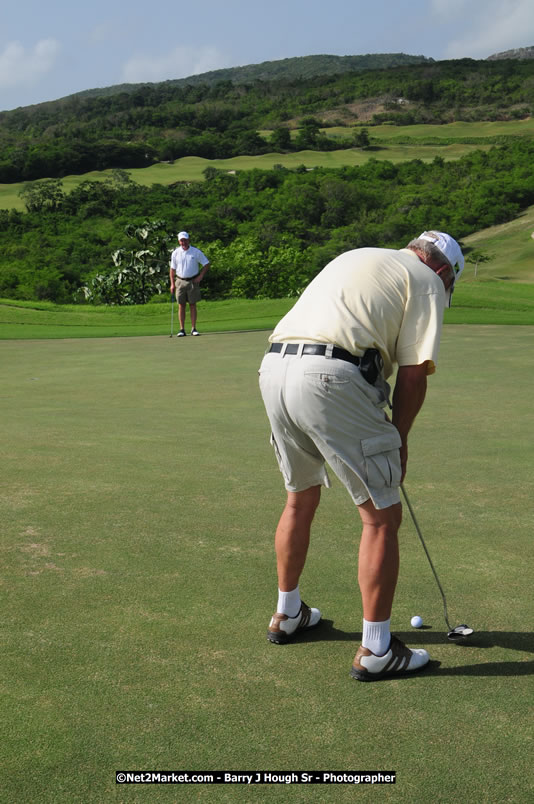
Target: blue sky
(49,50)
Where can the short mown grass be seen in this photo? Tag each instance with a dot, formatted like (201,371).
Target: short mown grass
(47,320)
(475,302)
(139,501)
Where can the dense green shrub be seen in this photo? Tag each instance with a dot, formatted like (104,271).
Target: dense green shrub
(266,232)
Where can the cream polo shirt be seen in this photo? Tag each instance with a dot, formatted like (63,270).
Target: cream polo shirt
(372,298)
(186,263)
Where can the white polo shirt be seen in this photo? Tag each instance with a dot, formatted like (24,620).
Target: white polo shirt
(372,298)
(187,264)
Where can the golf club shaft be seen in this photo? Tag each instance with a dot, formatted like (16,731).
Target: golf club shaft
(417,528)
(172,313)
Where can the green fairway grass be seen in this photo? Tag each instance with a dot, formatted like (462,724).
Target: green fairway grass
(139,501)
(191,168)
(457,131)
(475,302)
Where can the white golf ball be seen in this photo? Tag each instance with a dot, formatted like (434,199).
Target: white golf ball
(416,621)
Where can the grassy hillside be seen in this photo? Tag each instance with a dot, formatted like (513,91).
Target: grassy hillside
(510,247)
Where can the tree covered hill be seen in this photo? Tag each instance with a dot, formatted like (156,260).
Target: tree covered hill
(297,68)
(223,118)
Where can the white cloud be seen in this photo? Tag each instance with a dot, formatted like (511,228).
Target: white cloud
(178,63)
(20,65)
(486,27)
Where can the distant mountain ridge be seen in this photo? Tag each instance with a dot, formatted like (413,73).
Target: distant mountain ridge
(298,67)
(294,68)
(515,53)
(289,69)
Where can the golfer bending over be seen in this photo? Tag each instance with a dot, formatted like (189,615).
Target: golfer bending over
(323,382)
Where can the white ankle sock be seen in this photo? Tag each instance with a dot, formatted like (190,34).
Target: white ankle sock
(376,637)
(289,602)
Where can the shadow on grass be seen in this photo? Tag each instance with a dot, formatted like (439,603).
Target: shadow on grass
(326,632)
(487,669)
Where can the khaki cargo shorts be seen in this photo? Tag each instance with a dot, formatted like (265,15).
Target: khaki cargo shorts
(187,291)
(321,410)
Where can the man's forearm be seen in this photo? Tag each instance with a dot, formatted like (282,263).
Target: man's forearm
(408,397)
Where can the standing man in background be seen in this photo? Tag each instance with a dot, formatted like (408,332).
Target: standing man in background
(188,268)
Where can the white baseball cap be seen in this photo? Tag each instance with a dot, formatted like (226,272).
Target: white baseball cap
(183,236)
(450,250)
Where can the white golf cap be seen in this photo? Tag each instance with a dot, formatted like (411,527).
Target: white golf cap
(183,236)
(450,250)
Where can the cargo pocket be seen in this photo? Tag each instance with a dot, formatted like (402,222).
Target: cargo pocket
(382,459)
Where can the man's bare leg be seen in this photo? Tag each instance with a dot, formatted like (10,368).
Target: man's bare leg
(291,542)
(293,536)
(181,315)
(193,315)
(381,655)
(378,564)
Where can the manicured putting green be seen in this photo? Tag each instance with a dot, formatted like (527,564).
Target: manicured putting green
(140,497)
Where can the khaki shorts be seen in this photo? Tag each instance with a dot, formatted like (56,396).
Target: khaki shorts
(187,291)
(322,410)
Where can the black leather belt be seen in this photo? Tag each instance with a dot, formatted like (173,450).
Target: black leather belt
(316,349)
(187,278)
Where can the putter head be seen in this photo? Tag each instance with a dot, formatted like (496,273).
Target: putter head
(459,633)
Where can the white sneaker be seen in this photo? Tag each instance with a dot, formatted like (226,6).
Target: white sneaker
(398,661)
(195,332)
(283,628)
(181,334)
